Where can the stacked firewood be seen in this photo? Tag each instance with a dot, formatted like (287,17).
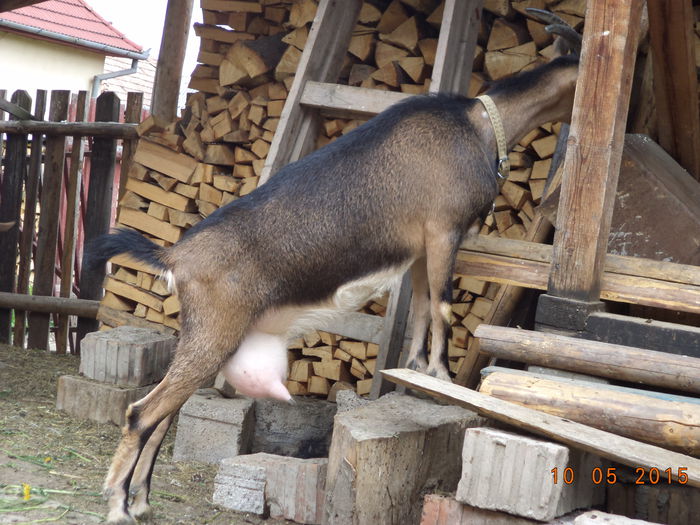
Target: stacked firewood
(215,153)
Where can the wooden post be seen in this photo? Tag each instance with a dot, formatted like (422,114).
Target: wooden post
(455,52)
(99,204)
(132,114)
(45,262)
(675,80)
(72,209)
(11,191)
(31,196)
(166,89)
(592,164)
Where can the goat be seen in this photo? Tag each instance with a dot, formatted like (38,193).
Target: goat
(326,234)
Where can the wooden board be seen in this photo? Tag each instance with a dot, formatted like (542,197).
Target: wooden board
(617,448)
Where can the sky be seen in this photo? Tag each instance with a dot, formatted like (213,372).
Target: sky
(142,22)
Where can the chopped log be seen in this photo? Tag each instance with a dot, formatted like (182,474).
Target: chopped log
(385,54)
(405,36)
(165,161)
(579,355)
(302,13)
(505,35)
(259,56)
(671,421)
(394,15)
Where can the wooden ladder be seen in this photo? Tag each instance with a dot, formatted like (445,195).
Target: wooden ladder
(313,94)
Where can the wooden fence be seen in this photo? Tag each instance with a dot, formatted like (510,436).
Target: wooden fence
(59,185)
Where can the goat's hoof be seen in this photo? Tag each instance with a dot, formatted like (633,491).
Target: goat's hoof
(439,373)
(120,518)
(142,512)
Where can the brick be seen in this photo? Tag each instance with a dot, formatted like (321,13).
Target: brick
(383,456)
(300,430)
(127,356)
(661,503)
(289,488)
(507,472)
(101,402)
(211,428)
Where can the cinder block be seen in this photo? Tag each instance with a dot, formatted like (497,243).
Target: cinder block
(507,472)
(660,503)
(444,510)
(289,488)
(127,355)
(384,455)
(211,428)
(100,402)
(301,430)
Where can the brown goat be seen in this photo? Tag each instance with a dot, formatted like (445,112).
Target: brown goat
(398,192)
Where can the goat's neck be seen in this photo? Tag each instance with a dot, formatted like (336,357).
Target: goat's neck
(525,111)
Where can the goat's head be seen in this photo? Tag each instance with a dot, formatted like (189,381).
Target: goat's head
(567,40)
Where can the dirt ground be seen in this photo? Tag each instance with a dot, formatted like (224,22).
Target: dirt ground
(52,466)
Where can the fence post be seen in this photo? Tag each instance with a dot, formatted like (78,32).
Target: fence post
(45,263)
(72,209)
(134,107)
(31,195)
(11,191)
(99,204)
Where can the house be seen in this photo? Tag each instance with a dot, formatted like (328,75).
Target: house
(62,44)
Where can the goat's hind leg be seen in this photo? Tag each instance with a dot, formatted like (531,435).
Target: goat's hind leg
(420,307)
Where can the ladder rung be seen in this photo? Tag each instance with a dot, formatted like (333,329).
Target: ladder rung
(338,101)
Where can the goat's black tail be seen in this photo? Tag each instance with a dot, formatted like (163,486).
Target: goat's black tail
(124,240)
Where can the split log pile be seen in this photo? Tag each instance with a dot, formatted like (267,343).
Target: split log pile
(249,52)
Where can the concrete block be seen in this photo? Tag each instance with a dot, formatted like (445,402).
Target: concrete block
(444,510)
(211,428)
(386,454)
(100,402)
(660,503)
(283,487)
(349,400)
(301,430)
(512,473)
(127,355)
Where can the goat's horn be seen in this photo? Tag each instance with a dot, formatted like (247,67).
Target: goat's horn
(546,17)
(568,33)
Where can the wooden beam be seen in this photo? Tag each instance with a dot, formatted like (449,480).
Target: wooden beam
(49,305)
(11,5)
(321,61)
(675,80)
(338,101)
(605,444)
(623,363)
(455,50)
(166,89)
(595,143)
(80,129)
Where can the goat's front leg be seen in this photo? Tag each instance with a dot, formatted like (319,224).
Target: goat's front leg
(420,308)
(441,248)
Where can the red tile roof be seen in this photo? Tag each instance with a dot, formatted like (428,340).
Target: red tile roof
(73,18)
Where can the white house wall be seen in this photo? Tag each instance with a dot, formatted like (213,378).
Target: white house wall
(32,64)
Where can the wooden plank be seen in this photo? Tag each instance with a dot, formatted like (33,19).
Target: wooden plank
(605,444)
(615,287)
(52,183)
(675,80)
(157,194)
(75,178)
(672,424)
(455,50)
(338,101)
(166,87)
(99,204)
(132,114)
(11,186)
(356,325)
(144,222)
(31,196)
(595,142)
(321,61)
(623,363)
(392,342)
(93,129)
